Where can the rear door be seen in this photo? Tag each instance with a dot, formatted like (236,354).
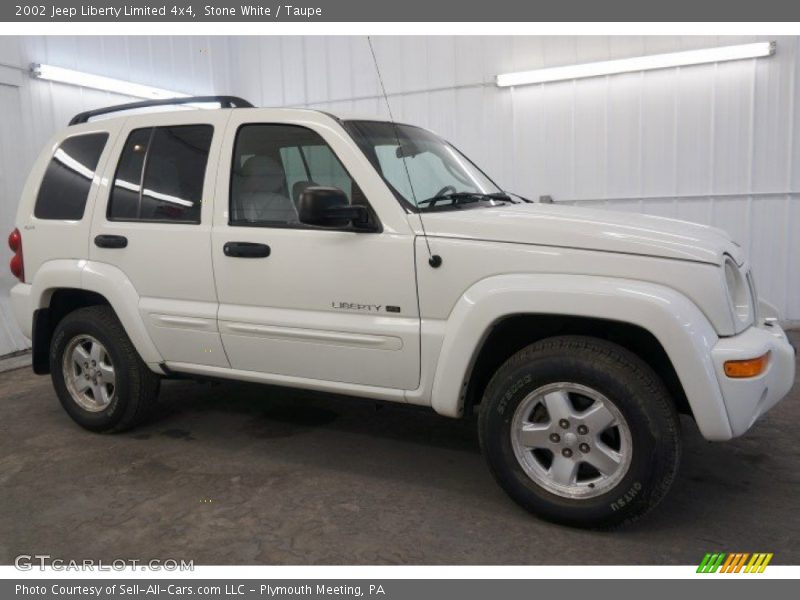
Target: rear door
(153,222)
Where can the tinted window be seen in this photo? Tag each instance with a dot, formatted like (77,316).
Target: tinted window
(273,164)
(160,174)
(68,178)
(124,203)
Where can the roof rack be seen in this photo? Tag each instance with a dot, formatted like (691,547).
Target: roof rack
(224,102)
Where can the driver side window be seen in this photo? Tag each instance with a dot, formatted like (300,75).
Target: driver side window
(273,165)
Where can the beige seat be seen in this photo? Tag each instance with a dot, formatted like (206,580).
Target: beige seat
(259,192)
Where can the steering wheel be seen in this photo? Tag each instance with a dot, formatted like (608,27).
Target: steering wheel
(448,189)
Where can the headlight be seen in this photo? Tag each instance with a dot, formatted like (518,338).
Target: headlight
(739,293)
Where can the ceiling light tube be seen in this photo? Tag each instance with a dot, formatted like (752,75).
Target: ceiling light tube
(98,82)
(638,63)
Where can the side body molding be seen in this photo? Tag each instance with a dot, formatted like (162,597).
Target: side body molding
(675,321)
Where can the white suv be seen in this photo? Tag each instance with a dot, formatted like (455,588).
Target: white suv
(374,259)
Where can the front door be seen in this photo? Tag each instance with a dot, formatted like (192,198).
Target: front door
(305,303)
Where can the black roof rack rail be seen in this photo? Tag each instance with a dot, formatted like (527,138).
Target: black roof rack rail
(224,102)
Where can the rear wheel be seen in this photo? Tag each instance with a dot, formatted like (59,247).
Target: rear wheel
(99,377)
(580,431)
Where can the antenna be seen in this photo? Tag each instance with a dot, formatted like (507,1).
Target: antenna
(434,260)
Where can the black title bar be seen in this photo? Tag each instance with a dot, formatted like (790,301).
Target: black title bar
(400,11)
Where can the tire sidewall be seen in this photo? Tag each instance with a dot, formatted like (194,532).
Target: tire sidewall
(652,450)
(109,417)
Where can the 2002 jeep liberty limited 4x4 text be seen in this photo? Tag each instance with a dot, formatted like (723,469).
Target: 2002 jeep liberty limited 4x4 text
(374,259)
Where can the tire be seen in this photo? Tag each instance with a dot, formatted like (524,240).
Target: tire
(589,382)
(116,391)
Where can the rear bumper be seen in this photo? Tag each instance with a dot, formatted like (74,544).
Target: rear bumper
(35,324)
(23,310)
(748,399)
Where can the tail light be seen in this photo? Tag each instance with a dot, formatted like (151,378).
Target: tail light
(17,265)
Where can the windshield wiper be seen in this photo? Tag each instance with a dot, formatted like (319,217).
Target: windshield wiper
(523,198)
(458,198)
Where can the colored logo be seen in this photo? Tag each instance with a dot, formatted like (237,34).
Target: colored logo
(735,562)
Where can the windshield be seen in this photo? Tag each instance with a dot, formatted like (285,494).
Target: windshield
(440,176)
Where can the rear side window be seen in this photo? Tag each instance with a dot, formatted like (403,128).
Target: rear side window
(160,175)
(68,178)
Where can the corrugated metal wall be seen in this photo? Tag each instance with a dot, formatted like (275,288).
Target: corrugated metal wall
(11,338)
(717,144)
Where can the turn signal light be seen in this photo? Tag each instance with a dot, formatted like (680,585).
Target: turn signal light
(752,367)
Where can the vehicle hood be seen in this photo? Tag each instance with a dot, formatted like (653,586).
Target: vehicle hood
(586,229)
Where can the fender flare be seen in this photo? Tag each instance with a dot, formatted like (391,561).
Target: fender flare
(676,322)
(111,282)
(106,280)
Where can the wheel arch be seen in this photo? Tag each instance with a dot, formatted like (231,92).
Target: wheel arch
(56,304)
(78,284)
(643,316)
(514,332)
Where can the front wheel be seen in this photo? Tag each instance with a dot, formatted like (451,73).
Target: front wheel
(580,431)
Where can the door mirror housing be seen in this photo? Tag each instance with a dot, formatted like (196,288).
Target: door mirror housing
(329,207)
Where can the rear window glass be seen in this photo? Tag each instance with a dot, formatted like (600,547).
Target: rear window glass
(68,178)
(160,175)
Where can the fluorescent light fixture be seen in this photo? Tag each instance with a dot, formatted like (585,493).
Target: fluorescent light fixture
(639,63)
(98,82)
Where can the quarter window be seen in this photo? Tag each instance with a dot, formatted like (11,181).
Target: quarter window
(68,178)
(273,165)
(160,174)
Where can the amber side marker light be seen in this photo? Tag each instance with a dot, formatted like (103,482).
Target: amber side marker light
(752,367)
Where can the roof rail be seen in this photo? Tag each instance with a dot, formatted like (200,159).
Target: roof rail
(224,102)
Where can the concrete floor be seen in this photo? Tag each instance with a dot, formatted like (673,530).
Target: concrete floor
(242,474)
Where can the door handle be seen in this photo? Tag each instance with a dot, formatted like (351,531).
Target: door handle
(246,250)
(110,241)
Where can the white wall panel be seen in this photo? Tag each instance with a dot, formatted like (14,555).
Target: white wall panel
(11,160)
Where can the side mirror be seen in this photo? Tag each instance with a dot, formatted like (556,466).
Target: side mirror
(329,207)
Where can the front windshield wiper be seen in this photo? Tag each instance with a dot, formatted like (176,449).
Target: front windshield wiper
(457,198)
(523,198)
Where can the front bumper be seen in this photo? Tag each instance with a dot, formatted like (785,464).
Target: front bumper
(747,399)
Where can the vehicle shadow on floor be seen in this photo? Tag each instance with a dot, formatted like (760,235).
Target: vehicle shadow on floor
(412,444)
(302,477)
